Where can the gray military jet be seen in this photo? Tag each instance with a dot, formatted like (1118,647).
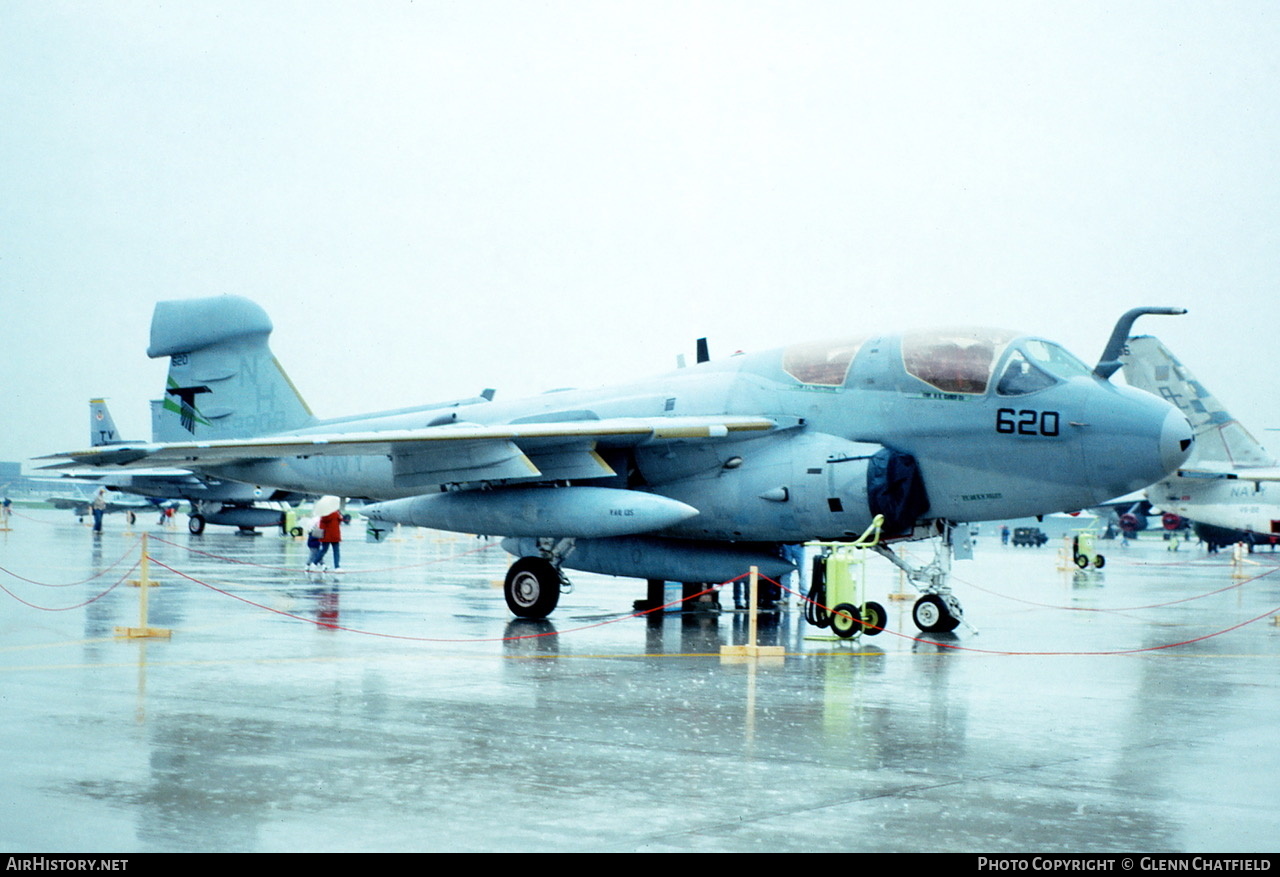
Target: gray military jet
(691,476)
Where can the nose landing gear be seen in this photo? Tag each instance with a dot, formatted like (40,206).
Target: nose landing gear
(937,613)
(937,610)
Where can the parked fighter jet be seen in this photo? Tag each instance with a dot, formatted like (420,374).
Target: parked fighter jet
(80,505)
(694,475)
(1227,487)
(213,500)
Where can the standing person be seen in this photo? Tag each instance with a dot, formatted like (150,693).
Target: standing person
(99,508)
(330,526)
(794,580)
(311,526)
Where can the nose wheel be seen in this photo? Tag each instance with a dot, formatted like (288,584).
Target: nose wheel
(937,613)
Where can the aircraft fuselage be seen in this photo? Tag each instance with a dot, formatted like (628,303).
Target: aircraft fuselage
(1234,504)
(987,447)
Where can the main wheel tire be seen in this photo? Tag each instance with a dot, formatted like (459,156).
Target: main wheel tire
(532,588)
(954,613)
(846,620)
(1082,561)
(874,618)
(195,524)
(932,615)
(1099,562)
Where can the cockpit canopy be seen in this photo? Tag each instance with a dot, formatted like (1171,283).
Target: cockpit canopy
(1035,364)
(821,363)
(952,361)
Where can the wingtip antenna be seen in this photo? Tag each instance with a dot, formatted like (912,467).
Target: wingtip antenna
(1109,363)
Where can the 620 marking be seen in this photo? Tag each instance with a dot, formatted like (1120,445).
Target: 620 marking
(1027,422)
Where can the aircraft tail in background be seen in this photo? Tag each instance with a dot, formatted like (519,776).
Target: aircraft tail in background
(1221,440)
(102,427)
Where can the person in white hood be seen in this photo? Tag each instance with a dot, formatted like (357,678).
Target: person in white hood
(329,512)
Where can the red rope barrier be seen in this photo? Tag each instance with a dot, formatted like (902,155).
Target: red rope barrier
(354,630)
(234,560)
(92,599)
(70,584)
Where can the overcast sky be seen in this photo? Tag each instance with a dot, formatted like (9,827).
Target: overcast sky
(430,198)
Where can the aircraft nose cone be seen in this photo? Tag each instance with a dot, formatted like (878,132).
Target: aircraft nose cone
(1176,440)
(1134,440)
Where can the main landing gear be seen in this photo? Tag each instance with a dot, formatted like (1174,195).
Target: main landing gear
(533,584)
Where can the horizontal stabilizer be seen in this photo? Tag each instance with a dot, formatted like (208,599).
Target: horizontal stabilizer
(1270,473)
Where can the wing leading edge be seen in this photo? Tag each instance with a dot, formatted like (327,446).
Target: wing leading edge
(457,453)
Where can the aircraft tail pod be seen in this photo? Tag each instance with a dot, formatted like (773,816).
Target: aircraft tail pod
(223,381)
(1220,438)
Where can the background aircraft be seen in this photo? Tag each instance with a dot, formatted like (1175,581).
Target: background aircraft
(1227,486)
(79,504)
(694,475)
(213,500)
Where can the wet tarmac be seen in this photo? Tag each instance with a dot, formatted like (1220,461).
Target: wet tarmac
(398,707)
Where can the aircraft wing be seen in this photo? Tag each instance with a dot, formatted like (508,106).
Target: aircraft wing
(95,475)
(68,502)
(83,505)
(458,452)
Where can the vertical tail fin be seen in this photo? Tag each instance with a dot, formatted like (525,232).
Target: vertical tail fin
(102,427)
(223,381)
(1220,438)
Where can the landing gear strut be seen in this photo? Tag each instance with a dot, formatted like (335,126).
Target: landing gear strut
(937,610)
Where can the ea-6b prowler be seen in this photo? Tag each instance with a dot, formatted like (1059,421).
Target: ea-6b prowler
(691,476)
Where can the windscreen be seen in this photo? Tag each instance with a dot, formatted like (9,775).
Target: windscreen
(1038,364)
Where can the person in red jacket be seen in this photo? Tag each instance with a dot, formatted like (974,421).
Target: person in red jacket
(330,526)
